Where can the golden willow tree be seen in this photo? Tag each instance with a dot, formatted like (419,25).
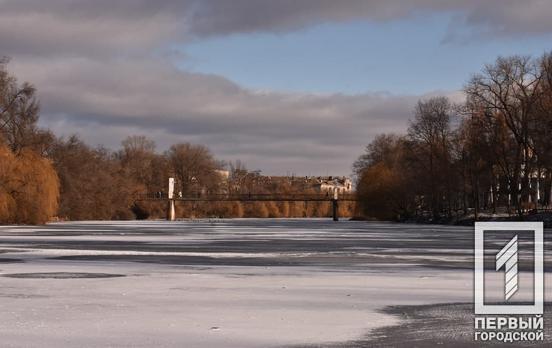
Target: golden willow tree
(29,186)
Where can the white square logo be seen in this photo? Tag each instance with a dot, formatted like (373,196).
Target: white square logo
(506,260)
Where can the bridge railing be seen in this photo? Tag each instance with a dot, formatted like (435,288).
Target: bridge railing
(244,197)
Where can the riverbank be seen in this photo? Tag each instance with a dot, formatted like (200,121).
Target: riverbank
(469,219)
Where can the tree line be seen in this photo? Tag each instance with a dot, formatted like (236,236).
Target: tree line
(489,154)
(44,176)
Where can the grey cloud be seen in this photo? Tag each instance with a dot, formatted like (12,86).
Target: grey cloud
(106,102)
(138,27)
(99,73)
(504,17)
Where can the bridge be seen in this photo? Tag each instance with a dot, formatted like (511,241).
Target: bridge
(249,197)
(171,198)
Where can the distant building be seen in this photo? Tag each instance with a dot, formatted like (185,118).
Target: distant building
(224,174)
(331,184)
(260,183)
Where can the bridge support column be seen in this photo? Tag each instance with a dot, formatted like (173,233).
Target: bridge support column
(335,210)
(171,214)
(335,206)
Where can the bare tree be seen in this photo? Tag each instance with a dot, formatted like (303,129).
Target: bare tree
(19,112)
(430,136)
(509,90)
(137,158)
(194,167)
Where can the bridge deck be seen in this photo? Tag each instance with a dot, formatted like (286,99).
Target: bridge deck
(249,197)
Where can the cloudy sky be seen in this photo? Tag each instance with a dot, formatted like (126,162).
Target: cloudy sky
(286,86)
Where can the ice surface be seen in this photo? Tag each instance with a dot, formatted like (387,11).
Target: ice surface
(229,283)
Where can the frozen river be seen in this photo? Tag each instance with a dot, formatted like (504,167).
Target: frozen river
(224,283)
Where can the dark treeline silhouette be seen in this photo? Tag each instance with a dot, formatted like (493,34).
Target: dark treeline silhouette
(44,176)
(491,154)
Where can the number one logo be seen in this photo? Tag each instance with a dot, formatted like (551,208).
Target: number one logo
(508,258)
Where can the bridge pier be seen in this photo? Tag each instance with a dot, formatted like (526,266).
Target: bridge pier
(171,214)
(335,206)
